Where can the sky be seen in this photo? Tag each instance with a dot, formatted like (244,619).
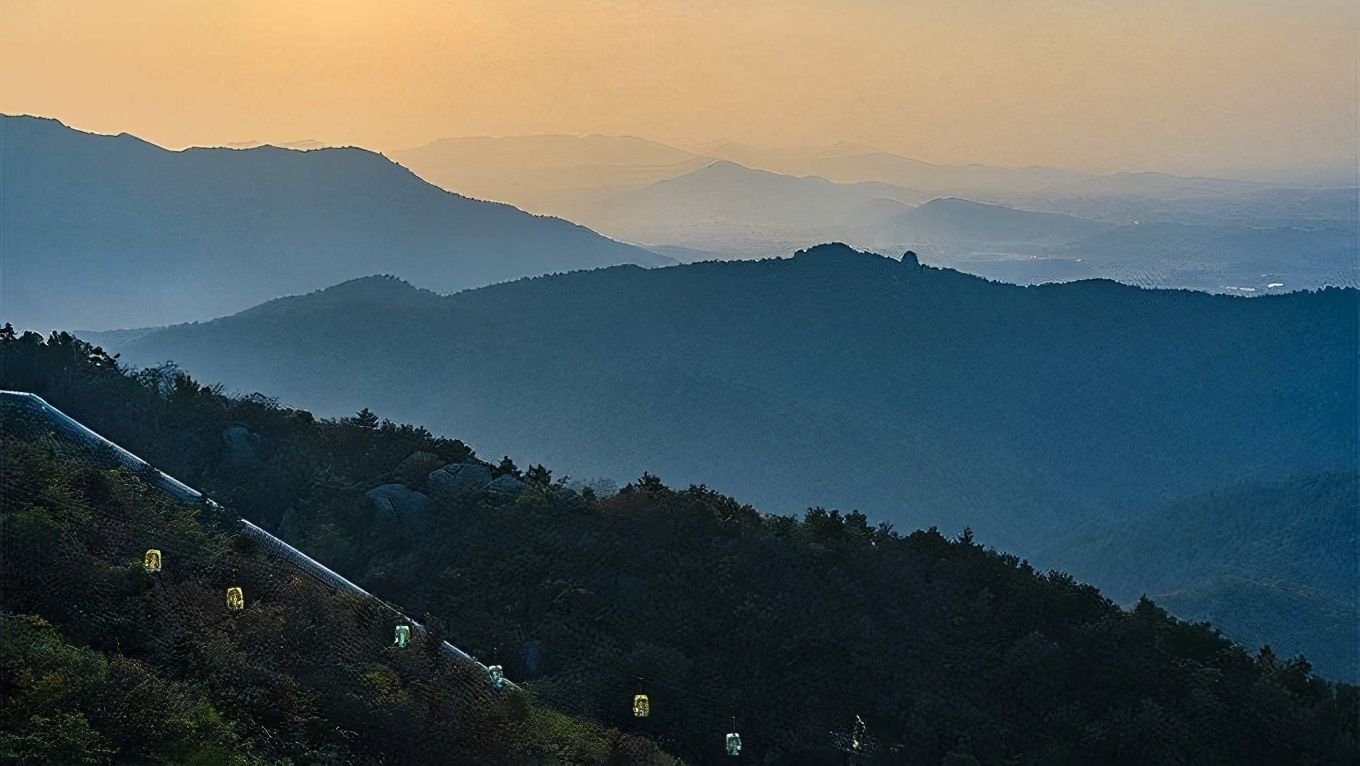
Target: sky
(1189,86)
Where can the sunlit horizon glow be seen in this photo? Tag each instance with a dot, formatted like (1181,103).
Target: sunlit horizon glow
(1205,86)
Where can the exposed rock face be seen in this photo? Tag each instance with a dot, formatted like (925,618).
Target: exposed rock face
(400,503)
(413,469)
(505,485)
(241,442)
(568,497)
(457,479)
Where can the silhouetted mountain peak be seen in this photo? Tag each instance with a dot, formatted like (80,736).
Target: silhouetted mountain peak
(839,254)
(156,225)
(829,250)
(958,203)
(378,285)
(35,120)
(733,168)
(383,292)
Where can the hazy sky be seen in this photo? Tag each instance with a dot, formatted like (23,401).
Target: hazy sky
(1178,85)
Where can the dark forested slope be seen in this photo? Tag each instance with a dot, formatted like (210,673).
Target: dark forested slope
(111,231)
(920,396)
(104,658)
(946,649)
(1267,562)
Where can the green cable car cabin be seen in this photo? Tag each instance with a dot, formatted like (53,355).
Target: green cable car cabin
(403,636)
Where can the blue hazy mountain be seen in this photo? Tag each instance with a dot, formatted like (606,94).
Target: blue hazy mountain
(922,396)
(533,172)
(587,596)
(112,231)
(733,211)
(962,221)
(728,210)
(1082,413)
(1266,562)
(1022,225)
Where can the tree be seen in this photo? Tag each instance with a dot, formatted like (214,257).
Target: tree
(507,467)
(58,738)
(538,475)
(365,419)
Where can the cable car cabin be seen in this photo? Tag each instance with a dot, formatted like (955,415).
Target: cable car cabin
(236,599)
(151,562)
(496,674)
(642,707)
(733,743)
(403,636)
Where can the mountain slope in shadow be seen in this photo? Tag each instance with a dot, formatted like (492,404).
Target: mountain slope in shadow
(838,378)
(112,231)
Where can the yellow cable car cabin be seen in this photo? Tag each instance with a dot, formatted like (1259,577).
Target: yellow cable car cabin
(403,636)
(236,599)
(151,562)
(642,707)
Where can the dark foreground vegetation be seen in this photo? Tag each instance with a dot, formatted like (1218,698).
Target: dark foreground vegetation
(104,660)
(949,651)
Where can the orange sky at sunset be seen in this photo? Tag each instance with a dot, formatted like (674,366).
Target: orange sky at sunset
(1208,86)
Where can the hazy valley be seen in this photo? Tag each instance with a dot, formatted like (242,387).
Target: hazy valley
(1029,225)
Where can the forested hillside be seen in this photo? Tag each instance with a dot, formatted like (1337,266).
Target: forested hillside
(793,627)
(106,657)
(1273,563)
(920,396)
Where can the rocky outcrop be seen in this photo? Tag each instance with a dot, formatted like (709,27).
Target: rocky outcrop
(413,469)
(398,503)
(241,442)
(456,479)
(505,485)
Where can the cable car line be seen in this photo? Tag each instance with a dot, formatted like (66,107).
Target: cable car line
(187,494)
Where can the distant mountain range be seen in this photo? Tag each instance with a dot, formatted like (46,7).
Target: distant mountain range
(546,168)
(960,221)
(922,395)
(111,231)
(513,168)
(1023,225)
(854,163)
(734,211)
(533,170)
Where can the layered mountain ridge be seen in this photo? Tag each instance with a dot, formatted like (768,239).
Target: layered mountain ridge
(112,231)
